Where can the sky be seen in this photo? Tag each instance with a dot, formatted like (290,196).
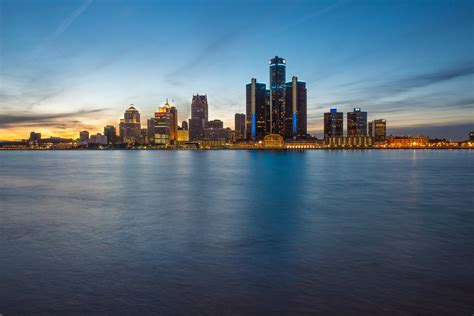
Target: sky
(66,66)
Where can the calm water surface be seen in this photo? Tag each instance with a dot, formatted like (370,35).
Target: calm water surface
(237,232)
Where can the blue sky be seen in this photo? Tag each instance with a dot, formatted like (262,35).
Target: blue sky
(78,64)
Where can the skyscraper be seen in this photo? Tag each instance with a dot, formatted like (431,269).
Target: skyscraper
(163,128)
(130,127)
(277,95)
(333,124)
(199,117)
(84,136)
(256,110)
(239,126)
(295,109)
(356,123)
(378,130)
(111,134)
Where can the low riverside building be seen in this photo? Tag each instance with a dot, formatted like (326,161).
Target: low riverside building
(302,143)
(407,141)
(273,141)
(350,142)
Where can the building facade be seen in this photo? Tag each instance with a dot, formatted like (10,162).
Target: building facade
(356,123)
(199,116)
(277,95)
(130,127)
(239,126)
(378,130)
(256,107)
(111,133)
(295,109)
(333,124)
(163,128)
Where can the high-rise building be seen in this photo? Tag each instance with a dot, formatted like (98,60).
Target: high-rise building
(84,136)
(163,128)
(277,95)
(199,117)
(256,110)
(295,109)
(129,128)
(378,130)
(356,123)
(173,124)
(239,126)
(333,124)
(111,133)
(184,125)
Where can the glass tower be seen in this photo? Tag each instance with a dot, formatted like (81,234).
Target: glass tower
(356,123)
(256,110)
(277,95)
(333,124)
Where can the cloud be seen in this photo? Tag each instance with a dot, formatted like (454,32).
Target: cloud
(426,79)
(25,119)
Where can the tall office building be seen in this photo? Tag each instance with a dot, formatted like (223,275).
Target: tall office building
(378,130)
(239,127)
(130,127)
(199,117)
(277,95)
(163,128)
(295,109)
(333,124)
(111,133)
(84,136)
(356,123)
(173,124)
(256,110)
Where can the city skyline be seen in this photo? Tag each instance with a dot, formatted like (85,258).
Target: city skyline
(59,78)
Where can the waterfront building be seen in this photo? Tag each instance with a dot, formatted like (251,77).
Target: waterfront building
(98,139)
(34,137)
(277,95)
(163,127)
(274,141)
(130,127)
(111,133)
(295,109)
(349,142)
(199,116)
(223,134)
(407,141)
(356,123)
(256,110)
(239,126)
(84,137)
(333,124)
(378,130)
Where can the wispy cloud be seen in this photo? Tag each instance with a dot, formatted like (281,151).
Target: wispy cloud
(62,27)
(28,119)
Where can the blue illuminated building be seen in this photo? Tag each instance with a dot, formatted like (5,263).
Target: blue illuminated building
(277,95)
(256,110)
(295,109)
